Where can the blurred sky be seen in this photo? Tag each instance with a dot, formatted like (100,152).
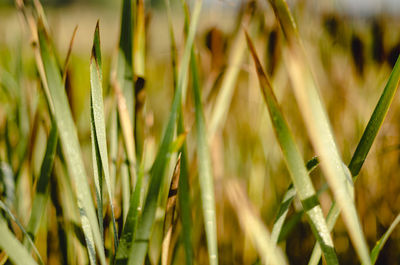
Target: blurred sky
(369,7)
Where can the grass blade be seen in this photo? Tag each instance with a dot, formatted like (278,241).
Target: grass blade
(287,202)
(125,56)
(99,127)
(282,213)
(376,121)
(381,242)
(254,227)
(184,191)
(295,164)
(205,171)
(31,243)
(130,226)
(71,149)
(365,144)
(318,127)
(139,248)
(139,39)
(42,186)
(68,57)
(14,249)
(170,214)
(127,129)
(124,89)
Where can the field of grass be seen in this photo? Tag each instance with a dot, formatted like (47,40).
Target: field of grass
(196,132)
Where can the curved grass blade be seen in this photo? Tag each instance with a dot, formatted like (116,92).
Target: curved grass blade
(318,127)
(375,122)
(286,202)
(100,158)
(31,243)
(71,149)
(365,144)
(294,161)
(206,179)
(139,248)
(282,213)
(381,242)
(254,227)
(14,249)
(42,186)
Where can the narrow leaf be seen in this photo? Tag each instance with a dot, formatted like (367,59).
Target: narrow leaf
(206,179)
(381,242)
(14,249)
(184,191)
(295,163)
(286,203)
(139,248)
(42,186)
(31,243)
(71,149)
(318,127)
(365,144)
(100,158)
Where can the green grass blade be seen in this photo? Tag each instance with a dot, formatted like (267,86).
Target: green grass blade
(254,227)
(294,161)
(282,213)
(129,229)
(206,179)
(318,127)
(125,56)
(184,201)
(287,202)
(381,242)
(42,186)
(184,191)
(14,249)
(125,90)
(139,248)
(375,122)
(31,243)
(364,145)
(97,174)
(99,128)
(71,148)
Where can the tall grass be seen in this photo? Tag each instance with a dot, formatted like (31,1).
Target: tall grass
(119,185)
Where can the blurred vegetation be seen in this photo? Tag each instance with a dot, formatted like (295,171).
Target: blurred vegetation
(351,58)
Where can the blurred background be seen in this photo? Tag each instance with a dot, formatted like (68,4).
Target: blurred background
(352,47)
